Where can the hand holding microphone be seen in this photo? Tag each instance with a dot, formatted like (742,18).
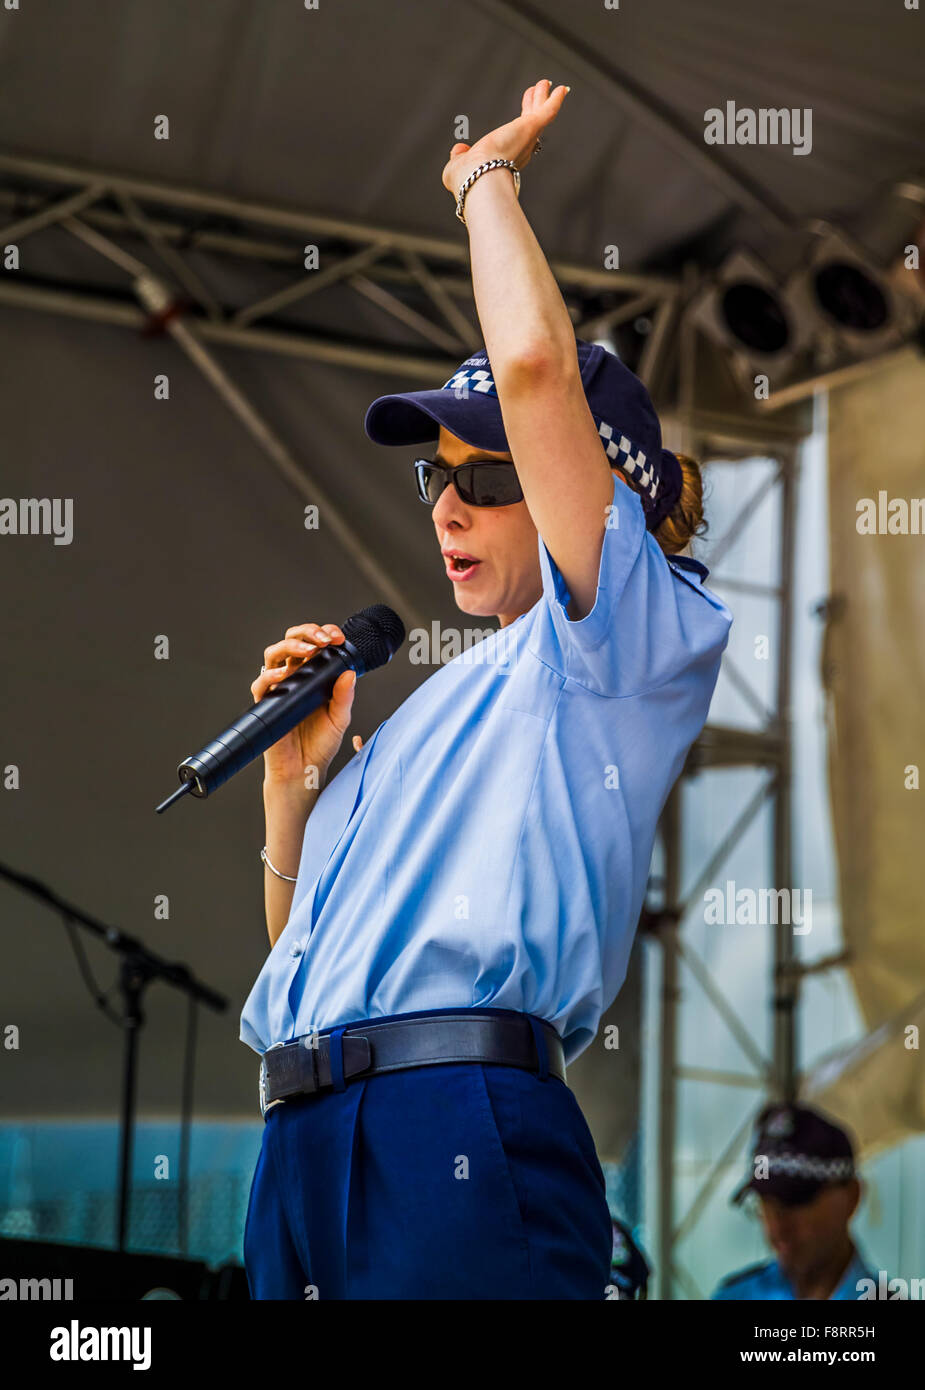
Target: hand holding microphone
(302,702)
(316,741)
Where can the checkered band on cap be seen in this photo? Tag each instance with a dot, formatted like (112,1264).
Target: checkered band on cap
(803,1166)
(628,457)
(471,379)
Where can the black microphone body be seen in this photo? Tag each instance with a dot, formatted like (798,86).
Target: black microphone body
(371,639)
(258,728)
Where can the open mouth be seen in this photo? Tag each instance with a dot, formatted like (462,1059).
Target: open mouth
(461,566)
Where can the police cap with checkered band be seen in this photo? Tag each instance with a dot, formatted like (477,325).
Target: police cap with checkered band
(797,1153)
(468,406)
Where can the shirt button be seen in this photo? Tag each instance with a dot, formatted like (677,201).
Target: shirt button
(296,948)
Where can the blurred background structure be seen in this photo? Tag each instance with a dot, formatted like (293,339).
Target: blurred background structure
(223,235)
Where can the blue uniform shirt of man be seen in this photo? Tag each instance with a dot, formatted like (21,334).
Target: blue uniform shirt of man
(768,1282)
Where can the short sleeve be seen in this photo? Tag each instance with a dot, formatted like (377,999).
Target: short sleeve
(649,622)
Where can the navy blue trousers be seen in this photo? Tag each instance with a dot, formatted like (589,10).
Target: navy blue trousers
(457,1181)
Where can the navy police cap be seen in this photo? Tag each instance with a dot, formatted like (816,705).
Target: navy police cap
(797,1152)
(468,406)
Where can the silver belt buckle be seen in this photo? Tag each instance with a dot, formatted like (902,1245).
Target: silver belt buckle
(262,1084)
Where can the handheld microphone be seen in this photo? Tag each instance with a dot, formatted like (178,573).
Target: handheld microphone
(372,636)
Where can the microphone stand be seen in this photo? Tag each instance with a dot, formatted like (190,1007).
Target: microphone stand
(138,968)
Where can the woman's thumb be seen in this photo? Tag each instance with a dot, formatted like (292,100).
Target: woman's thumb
(458,148)
(340,706)
(345,685)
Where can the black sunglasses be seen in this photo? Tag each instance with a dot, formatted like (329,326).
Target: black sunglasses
(488,483)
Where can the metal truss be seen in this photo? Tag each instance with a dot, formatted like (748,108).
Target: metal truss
(418,281)
(165,237)
(709,434)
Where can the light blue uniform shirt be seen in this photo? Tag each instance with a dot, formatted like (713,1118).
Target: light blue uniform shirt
(490,844)
(768,1283)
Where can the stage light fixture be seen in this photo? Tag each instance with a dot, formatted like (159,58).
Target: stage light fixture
(743,309)
(858,312)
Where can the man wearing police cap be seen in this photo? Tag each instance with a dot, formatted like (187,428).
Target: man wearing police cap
(804,1182)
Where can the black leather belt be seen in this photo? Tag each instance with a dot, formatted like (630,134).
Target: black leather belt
(303,1066)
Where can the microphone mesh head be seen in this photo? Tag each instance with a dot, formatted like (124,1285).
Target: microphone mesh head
(376,632)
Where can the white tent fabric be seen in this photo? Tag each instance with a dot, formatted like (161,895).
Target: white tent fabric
(875,1085)
(874,675)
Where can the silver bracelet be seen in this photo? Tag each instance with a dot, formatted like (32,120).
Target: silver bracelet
(266,859)
(477,173)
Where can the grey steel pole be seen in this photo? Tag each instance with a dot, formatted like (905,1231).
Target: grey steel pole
(786,982)
(667,1078)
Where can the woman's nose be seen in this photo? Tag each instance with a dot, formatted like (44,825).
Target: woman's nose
(449,507)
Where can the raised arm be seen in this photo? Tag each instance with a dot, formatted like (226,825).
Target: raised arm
(530,341)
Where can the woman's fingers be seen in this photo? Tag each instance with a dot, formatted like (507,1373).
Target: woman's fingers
(535,96)
(302,640)
(290,646)
(549,101)
(541,104)
(316,632)
(267,679)
(300,643)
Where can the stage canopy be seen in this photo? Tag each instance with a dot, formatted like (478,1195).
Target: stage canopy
(184,527)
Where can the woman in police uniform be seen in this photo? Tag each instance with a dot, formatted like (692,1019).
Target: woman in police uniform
(452,913)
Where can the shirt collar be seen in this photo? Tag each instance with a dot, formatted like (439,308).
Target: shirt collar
(687,563)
